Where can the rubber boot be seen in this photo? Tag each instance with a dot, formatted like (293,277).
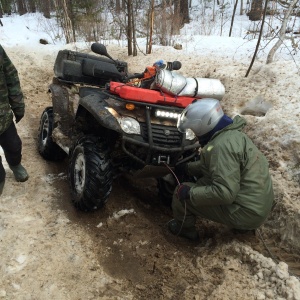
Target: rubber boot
(20,173)
(1,186)
(188,233)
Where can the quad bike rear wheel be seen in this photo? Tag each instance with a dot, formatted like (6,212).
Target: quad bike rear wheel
(46,146)
(90,173)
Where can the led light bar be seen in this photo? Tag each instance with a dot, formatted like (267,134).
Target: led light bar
(166,114)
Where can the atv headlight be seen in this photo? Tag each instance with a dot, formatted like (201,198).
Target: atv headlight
(189,134)
(129,125)
(166,114)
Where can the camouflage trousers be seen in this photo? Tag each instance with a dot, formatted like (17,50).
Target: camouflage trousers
(12,148)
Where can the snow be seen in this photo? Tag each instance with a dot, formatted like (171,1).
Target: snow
(268,99)
(121,213)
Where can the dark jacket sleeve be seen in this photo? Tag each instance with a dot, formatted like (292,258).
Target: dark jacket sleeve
(15,95)
(194,168)
(224,177)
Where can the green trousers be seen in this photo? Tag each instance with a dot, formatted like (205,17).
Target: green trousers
(234,215)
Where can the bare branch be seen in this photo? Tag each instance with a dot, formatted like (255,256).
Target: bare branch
(259,38)
(282,31)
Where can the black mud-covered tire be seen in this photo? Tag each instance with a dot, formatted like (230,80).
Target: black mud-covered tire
(48,149)
(90,173)
(166,186)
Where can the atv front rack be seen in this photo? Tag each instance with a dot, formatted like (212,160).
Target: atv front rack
(158,143)
(158,150)
(161,158)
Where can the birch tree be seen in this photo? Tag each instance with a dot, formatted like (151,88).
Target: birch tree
(66,22)
(151,25)
(282,32)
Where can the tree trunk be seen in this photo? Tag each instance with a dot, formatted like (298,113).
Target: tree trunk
(134,52)
(129,26)
(21,7)
(232,18)
(32,6)
(71,15)
(151,27)
(65,20)
(256,10)
(184,11)
(118,6)
(176,6)
(281,32)
(45,8)
(242,8)
(181,10)
(259,38)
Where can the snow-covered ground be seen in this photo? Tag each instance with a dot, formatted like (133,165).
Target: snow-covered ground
(46,255)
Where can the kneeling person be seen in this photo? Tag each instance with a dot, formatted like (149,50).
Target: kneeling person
(233,185)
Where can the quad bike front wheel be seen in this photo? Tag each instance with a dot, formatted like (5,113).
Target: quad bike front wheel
(90,173)
(46,146)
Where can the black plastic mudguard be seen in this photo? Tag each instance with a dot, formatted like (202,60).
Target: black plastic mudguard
(60,102)
(93,100)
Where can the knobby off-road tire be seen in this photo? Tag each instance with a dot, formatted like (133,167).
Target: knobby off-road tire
(90,173)
(46,146)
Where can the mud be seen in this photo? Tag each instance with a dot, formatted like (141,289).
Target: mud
(124,251)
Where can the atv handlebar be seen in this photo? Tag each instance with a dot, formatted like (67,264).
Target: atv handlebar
(175,65)
(135,75)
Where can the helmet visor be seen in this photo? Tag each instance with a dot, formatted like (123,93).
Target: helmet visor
(185,123)
(181,122)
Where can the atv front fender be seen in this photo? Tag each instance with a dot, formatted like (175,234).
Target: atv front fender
(60,102)
(60,98)
(96,105)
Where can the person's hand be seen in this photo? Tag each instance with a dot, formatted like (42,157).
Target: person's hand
(19,118)
(183,193)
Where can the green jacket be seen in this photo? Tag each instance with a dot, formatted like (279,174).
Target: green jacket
(232,171)
(11,96)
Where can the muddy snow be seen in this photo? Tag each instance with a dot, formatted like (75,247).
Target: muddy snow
(124,251)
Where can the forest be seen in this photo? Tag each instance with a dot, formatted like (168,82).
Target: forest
(157,21)
(50,250)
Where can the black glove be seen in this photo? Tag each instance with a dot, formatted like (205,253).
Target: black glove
(183,193)
(19,118)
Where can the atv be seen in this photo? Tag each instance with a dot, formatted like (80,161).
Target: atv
(109,122)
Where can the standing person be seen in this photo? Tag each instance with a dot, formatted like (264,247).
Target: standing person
(233,185)
(11,105)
